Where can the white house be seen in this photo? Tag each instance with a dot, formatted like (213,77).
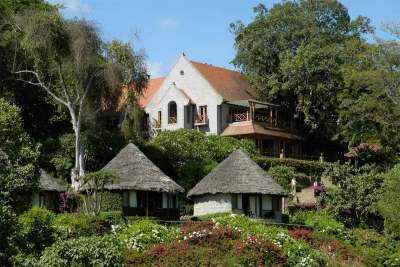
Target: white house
(216,100)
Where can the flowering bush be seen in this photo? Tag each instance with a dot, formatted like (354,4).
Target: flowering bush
(300,233)
(84,251)
(142,234)
(203,232)
(253,251)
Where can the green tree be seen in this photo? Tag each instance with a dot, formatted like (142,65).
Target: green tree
(292,54)
(76,69)
(193,154)
(366,112)
(390,201)
(94,183)
(354,199)
(18,176)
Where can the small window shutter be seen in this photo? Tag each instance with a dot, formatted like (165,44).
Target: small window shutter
(125,196)
(266,202)
(239,202)
(164,200)
(132,199)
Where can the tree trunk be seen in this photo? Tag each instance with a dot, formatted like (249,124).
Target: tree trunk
(78,171)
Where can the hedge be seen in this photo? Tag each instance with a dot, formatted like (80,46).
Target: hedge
(308,167)
(111,201)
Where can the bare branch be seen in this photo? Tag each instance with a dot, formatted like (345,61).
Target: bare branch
(63,85)
(41,84)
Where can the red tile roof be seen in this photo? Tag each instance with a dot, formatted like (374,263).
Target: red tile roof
(251,128)
(231,85)
(151,89)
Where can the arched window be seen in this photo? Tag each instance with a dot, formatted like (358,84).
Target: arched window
(172,112)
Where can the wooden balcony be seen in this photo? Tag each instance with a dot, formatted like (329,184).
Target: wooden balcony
(266,120)
(201,120)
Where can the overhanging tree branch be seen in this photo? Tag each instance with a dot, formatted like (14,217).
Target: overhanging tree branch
(41,84)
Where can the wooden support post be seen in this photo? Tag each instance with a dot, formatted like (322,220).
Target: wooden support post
(270,115)
(147,204)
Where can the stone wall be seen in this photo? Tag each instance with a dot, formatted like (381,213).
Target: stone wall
(208,204)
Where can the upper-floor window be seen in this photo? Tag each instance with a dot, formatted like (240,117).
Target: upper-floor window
(202,115)
(172,112)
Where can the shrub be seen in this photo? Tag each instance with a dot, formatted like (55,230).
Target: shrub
(112,217)
(322,220)
(253,251)
(74,225)
(193,154)
(36,230)
(308,167)
(111,201)
(282,175)
(207,232)
(389,203)
(70,201)
(84,251)
(300,233)
(142,234)
(354,200)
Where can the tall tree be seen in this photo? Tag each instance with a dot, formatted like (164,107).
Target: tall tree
(390,60)
(366,112)
(75,68)
(292,53)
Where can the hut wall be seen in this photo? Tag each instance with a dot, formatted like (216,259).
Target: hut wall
(208,204)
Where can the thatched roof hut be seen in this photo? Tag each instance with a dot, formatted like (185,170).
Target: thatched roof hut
(49,183)
(136,172)
(237,174)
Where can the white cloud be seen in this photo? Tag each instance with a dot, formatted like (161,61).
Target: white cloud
(154,68)
(169,23)
(73,5)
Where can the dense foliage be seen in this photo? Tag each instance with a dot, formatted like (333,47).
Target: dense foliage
(389,202)
(18,174)
(84,251)
(293,54)
(355,197)
(308,167)
(193,154)
(283,175)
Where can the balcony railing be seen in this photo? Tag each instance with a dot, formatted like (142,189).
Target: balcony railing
(290,155)
(201,119)
(171,120)
(267,120)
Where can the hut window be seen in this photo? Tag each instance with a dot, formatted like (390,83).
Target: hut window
(165,200)
(237,201)
(172,112)
(266,202)
(234,201)
(130,199)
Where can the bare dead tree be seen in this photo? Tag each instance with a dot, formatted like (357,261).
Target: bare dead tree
(69,60)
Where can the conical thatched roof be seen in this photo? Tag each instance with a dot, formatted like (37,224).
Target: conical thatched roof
(49,183)
(136,172)
(237,174)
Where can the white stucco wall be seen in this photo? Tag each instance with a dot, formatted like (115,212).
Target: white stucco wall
(208,204)
(194,86)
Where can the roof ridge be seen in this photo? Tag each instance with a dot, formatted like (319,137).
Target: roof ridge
(213,66)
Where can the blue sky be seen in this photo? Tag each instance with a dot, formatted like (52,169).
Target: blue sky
(200,28)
